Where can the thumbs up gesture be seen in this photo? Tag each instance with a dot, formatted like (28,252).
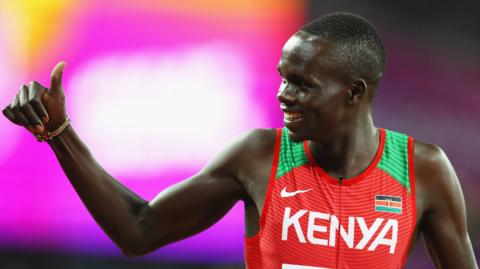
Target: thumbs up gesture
(37,108)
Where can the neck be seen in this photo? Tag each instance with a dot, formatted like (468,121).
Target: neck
(350,152)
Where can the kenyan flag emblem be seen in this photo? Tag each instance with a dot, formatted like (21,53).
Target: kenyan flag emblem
(390,204)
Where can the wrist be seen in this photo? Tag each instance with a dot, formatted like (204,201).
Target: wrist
(54,133)
(61,138)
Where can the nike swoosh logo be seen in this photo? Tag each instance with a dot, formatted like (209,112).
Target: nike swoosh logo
(285,193)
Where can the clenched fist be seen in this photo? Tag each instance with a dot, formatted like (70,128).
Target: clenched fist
(37,108)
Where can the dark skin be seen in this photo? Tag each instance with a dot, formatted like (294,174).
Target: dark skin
(335,118)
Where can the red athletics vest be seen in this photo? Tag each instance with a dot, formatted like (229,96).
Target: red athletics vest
(311,220)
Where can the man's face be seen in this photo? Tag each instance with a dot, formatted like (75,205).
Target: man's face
(312,95)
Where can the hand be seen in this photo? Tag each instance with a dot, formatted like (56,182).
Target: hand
(38,109)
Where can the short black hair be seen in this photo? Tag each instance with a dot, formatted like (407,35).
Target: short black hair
(358,48)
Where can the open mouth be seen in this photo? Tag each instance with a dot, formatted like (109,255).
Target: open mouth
(292,116)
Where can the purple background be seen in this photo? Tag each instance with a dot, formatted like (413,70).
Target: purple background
(430,91)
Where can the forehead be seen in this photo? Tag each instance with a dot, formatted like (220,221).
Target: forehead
(302,51)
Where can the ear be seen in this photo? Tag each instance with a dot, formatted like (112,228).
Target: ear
(356,91)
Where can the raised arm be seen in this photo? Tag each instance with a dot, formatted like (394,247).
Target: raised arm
(135,225)
(444,223)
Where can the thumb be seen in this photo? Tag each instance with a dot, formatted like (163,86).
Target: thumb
(56,78)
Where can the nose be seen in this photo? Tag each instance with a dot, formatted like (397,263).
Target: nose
(286,94)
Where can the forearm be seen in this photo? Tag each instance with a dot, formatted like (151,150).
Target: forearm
(115,208)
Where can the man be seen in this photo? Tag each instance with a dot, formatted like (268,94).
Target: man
(330,190)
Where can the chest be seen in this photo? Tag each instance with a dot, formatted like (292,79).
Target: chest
(309,218)
(312,208)
(305,212)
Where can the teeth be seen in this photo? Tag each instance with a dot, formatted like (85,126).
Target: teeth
(291,116)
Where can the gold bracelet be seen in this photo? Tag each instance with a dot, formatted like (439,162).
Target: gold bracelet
(51,135)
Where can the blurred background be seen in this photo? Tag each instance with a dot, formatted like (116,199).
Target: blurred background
(199,73)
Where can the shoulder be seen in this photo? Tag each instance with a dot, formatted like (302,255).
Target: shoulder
(428,154)
(258,138)
(246,159)
(253,143)
(430,159)
(254,146)
(434,175)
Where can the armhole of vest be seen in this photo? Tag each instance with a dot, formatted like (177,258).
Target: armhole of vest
(272,179)
(411,177)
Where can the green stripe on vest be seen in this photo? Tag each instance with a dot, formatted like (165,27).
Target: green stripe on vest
(292,155)
(395,157)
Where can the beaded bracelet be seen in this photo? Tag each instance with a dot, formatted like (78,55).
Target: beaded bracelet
(51,135)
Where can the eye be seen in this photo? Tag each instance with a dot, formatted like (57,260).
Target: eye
(284,81)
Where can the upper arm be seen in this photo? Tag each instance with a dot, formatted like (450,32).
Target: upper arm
(197,203)
(444,223)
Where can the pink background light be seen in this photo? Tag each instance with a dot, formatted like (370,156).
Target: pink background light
(213,61)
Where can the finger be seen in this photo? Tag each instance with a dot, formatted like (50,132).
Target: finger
(56,79)
(35,94)
(27,109)
(15,106)
(7,112)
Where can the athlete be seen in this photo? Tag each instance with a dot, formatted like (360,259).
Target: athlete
(329,190)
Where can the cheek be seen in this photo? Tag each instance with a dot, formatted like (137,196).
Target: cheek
(315,103)
(326,109)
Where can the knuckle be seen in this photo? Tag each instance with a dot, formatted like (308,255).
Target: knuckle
(37,85)
(22,103)
(22,88)
(34,102)
(35,94)
(14,107)
(33,85)
(20,91)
